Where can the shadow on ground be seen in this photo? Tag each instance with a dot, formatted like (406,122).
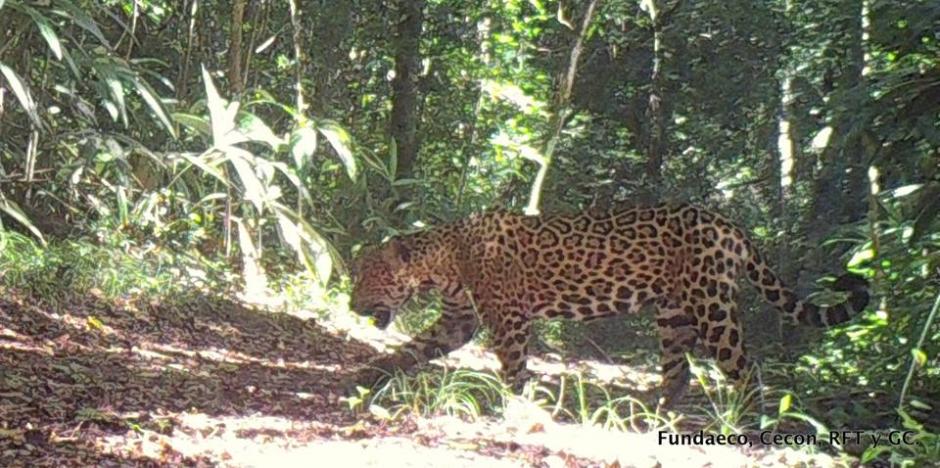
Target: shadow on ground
(77,373)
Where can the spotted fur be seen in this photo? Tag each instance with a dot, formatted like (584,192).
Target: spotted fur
(504,270)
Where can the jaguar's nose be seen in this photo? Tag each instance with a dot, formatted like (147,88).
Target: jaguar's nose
(382,319)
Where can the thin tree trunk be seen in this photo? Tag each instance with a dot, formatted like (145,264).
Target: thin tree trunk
(135,13)
(297,28)
(403,122)
(654,112)
(235,83)
(183,78)
(470,135)
(258,18)
(658,106)
(562,108)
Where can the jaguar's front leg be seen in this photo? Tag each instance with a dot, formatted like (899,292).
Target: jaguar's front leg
(511,345)
(454,328)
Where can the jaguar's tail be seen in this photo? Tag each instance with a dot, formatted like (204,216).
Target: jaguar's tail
(766,281)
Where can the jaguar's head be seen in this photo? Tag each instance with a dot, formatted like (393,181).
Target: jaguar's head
(382,281)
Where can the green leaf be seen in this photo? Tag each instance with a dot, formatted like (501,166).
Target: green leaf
(22,93)
(150,97)
(392,168)
(766,421)
(403,182)
(380,412)
(109,73)
(13,210)
(920,405)
(909,422)
(221,114)
(254,189)
(317,254)
(253,128)
(293,178)
(861,257)
(122,203)
(340,142)
(292,235)
(209,167)
(256,281)
(871,453)
(47,33)
(94,322)
(303,143)
(920,357)
(45,28)
(80,17)
(785,403)
(71,64)
(194,122)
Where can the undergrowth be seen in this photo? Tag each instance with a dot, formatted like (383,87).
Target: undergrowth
(574,398)
(67,268)
(472,395)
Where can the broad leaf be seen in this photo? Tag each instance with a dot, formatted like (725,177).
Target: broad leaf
(256,281)
(45,28)
(254,189)
(82,19)
(785,404)
(340,142)
(303,143)
(11,209)
(221,114)
(194,122)
(22,93)
(253,128)
(153,101)
(209,167)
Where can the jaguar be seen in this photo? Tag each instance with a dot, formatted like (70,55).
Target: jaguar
(501,270)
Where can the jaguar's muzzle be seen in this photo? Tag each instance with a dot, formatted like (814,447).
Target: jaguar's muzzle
(381,318)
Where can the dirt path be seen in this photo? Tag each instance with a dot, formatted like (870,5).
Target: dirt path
(215,383)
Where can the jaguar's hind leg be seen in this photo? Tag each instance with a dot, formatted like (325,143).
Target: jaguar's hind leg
(678,334)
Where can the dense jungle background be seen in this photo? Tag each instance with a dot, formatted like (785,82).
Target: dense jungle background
(182,185)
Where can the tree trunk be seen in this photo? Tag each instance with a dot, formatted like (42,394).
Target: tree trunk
(236,86)
(182,91)
(658,107)
(655,114)
(299,57)
(403,125)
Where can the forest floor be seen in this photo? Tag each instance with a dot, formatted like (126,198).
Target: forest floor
(215,383)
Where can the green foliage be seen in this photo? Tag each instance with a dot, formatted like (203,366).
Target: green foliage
(924,450)
(729,410)
(257,178)
(460,393)
(471,395)
(577,399)
(66,269)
